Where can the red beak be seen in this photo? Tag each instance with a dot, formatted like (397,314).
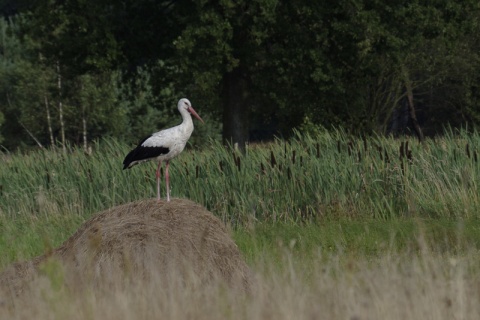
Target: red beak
(194,113)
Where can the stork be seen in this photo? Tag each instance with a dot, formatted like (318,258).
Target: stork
(164,145)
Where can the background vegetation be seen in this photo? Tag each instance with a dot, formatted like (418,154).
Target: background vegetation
(333,226)
(72,71)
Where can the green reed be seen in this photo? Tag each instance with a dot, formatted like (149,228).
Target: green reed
(329,175)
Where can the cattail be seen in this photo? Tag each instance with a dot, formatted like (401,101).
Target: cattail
(197,169)
(301,161)
(409,155)
(468,150)
(220,163)
(408,152)
(48,179)
(339,149)
(89,175)
(349,147)
(475,156)
(273,162)
(402,152)
(289,173)
(293,157)
(262,168)
(238,163)
(318,150)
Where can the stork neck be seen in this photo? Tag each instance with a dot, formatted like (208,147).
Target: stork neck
(187,118)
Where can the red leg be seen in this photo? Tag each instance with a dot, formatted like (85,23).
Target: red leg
(167,179)
(158,179)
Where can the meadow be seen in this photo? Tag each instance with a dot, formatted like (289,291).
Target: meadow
(335,226)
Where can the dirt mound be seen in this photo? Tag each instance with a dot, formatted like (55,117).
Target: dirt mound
(141,240)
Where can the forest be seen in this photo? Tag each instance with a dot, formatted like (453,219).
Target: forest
(74,71)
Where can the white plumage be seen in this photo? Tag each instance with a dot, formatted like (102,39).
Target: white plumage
(164,145)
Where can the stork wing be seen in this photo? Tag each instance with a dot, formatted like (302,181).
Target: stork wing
(149,148)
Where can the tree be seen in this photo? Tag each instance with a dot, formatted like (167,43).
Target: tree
(434,49)
(92,48)
(22,89)
(219,48)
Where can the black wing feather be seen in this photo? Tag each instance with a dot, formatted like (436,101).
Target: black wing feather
(143,153)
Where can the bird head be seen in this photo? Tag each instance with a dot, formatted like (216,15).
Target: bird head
(185,104)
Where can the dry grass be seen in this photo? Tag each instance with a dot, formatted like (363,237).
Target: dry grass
(406,287)
(175,260)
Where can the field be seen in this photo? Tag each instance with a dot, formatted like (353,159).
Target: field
(333,226)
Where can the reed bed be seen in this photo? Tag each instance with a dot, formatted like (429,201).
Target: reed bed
(305,178)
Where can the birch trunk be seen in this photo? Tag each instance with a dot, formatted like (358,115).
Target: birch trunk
(49,121)
(60,108)
(84,127)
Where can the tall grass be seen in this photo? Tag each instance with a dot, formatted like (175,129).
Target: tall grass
(424,286)
(307,177)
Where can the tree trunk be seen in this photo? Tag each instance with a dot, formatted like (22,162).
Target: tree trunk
(236,108)
(84,123)
(411,106)
(31,135)
(60,108)
(49,121)
(84,129)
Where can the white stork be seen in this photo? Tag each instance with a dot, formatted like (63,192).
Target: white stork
(165,144)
